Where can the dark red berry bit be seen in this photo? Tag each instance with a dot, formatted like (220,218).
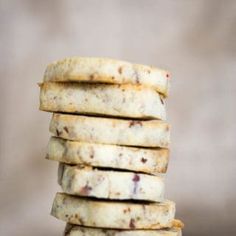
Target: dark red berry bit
(120,70)
(85,190)
(131,223)
(162,101)
(58,132)
(135,122)
(136,178)
(143,160)
(66,129)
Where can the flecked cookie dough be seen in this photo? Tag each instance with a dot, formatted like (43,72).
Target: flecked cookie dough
(130,101)
(150,133)
(113,214)
(151,161)
(104,70)
(106,184)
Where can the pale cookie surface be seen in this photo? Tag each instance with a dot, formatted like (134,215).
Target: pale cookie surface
(104,70)
(107,184)
(113,214)
(151,161)
(75,230)
(99,99)
(151,133)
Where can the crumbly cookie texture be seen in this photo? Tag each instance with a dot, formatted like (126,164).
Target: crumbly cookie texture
(149,133)
(113,214)
(106,184)
(76,230)
(104,70)
(151,161)
(100,99)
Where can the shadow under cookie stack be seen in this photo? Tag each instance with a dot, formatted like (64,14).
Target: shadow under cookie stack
(111,141)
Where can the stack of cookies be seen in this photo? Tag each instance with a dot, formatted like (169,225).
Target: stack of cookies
(111,141)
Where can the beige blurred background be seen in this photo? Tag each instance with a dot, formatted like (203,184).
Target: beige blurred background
(194,39)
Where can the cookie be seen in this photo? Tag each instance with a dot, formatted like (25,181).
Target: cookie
(104,70)
(149,133)
(113,214)
(98,99)
(107,184)
(76,230)
(151,161)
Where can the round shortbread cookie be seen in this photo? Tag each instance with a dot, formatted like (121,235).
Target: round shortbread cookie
(76,230)
(102,99)
(105,70)
(150,133)
(107,184)
(151,161)
(113,214)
